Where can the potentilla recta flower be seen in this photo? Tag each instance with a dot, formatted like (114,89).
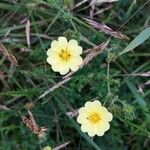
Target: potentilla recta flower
(64,55)
(94,118)
(47,148)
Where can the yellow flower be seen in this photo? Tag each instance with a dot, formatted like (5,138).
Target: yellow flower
(64,55)
(94,118)
(47,148)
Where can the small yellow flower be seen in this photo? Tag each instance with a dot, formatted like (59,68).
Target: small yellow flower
(94,118)
(64,56)
(47,148)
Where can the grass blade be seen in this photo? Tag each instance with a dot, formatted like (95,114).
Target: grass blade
(144,35)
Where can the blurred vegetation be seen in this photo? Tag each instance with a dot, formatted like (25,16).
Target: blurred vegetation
(117,81)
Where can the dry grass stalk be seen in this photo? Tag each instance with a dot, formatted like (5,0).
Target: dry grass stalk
(31,124)
(104,28)
(141,87)
(8,55)
(2,107)
(28,32)
(61,146)
(99,2)
(80,3)
(56,86)
(142,74)
(102,10)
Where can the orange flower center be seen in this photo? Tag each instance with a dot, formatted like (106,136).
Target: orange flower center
(94,117)
(65,55)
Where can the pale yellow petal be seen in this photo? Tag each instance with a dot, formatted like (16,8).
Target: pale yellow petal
(56,67)
(75,62)
(90,106)
(106,115)
(84,127)
(55,46)
(88,128)
(109,116)
(74,67)
(53,60)
(97,130)
(83,111)
(64,71)
(60,45)
(97,103)
(50,52)
(73,42)
(100,132)
(107,126)
(60,67)
(74,48)
(62,40)
(103,125)
(53,57)
(91,132)
(47,148)
(82,118)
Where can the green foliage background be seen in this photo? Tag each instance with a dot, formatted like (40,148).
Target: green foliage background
(109,78)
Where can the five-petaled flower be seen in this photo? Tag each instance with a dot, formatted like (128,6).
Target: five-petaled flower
(47,148)
(64,55)
(94,118)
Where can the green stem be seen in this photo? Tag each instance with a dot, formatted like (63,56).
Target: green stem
(108,74)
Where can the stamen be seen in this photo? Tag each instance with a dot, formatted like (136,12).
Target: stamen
(65,55)
(94,117)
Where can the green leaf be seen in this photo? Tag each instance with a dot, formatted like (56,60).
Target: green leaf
(144,35)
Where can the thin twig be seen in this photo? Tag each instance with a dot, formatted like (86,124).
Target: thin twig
(56,86)
(102,10)
(2,107)
(61,146)
(58,125)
